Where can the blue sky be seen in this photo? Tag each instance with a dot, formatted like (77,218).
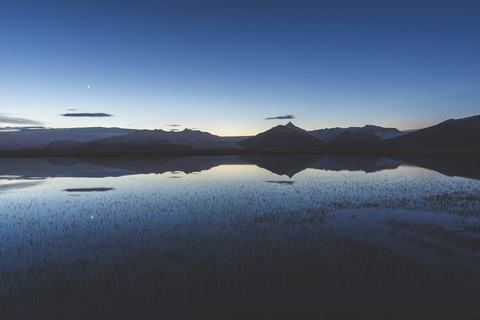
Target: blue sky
(225,66)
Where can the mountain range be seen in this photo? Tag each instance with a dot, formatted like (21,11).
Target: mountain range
(463,132)
(39,137)
(330,134)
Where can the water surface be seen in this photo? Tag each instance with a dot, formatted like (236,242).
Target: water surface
(247,236)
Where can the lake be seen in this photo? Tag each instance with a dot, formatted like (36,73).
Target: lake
(246,236)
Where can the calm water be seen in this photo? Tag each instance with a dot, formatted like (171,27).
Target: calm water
(223,236)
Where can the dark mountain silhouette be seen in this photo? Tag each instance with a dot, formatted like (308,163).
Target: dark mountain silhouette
(185,135)
(62,145)
(84,134)
(138,140)
(152,140)
(20,141)
(94,146)
(282,137)
(463,132)
(355,139)
(451,133)
(379,130)
(38,138)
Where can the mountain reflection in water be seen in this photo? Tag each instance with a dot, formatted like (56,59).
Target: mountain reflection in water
(467,167)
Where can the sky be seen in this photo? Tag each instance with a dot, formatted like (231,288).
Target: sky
(227,66)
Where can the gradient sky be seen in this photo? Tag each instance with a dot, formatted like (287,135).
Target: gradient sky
(225,66)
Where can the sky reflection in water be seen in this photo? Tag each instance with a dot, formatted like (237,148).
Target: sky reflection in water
(406,238)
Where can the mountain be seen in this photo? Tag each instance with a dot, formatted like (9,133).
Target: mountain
(185,135)
(329,134)
(62,145)
(450,133)
(463,132)
(39,137)
(142,138)
(75,134)
(10,142)
(196,139)
(282,137)
(138,140)
(357,139)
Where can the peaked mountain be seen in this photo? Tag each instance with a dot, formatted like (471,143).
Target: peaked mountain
(330,134)
(282,137)
(463,132)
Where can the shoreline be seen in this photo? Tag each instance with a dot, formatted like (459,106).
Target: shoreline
(386,151)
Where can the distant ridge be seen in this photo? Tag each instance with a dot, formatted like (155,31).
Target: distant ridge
(330,134)
(62,145)
(82,134)
(9,142)
(138,140)
(283,137)
(150,140)
(356,139)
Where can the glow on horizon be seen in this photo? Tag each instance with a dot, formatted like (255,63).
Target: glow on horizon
(225,131)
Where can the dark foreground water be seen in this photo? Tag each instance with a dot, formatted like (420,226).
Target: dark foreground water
(244,237)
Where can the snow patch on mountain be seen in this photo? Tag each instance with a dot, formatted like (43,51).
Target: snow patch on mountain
(330,134)
(9,142)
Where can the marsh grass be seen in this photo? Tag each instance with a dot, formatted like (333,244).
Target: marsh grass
(155,242)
